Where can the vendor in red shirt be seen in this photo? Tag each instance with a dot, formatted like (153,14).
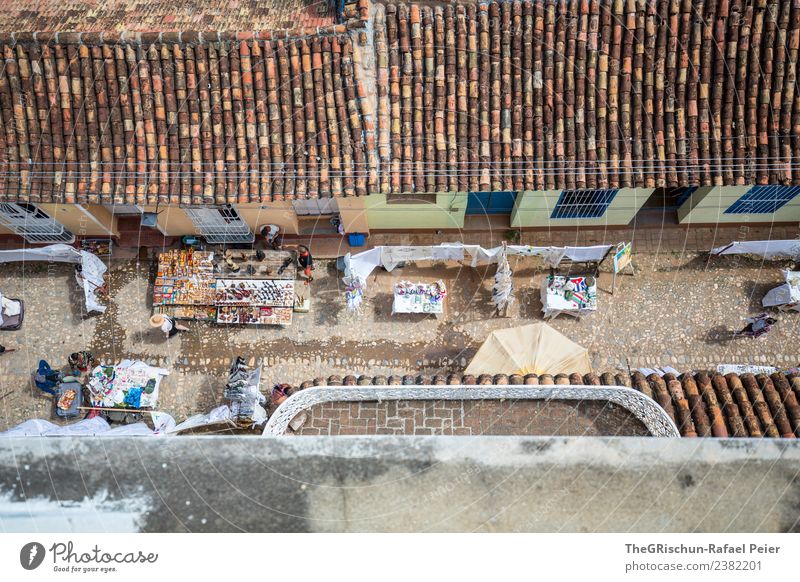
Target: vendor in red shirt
(305,261)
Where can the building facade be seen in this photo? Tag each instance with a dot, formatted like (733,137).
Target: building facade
(398,116)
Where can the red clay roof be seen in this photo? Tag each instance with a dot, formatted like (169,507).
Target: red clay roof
(161,15)
(186,120)
(523,95)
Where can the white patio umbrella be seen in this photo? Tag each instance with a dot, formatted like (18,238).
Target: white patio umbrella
(529,349)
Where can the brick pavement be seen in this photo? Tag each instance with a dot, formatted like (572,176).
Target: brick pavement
(471,417)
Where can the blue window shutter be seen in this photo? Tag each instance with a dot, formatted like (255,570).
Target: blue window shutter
(763,200)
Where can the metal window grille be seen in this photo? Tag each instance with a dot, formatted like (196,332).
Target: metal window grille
(763,199)
(583,203)
(33,224)
(220,225)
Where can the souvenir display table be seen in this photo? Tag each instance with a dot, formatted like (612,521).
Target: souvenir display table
(239,287)
(574,296)
(419,297)
(129,384)
(251,301)
(184,286)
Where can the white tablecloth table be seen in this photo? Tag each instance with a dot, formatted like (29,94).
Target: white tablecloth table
(417,302)
(583,300)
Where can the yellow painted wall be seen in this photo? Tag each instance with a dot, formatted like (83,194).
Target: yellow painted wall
(707,205)
(89,220)
(447,212)
(280,213)
(534,208)
(354,214)
(172,221)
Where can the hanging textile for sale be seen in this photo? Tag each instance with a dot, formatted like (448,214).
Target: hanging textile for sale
(362,264)
(92,268)
(354,292)
(502,292)
(242,390)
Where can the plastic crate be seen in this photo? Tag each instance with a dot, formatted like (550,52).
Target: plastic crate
(356,239)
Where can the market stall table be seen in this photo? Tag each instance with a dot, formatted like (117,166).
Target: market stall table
(419,297)
(130,384)
(239,287)
(250,301)
(574,296)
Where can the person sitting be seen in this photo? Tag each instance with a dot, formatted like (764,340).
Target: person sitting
(272,234)
(46,379)
(758,325)
(81,361)
(280,392)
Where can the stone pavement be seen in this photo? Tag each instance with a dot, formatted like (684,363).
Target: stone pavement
(676,311)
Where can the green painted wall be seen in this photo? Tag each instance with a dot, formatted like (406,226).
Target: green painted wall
(533,208)
(707,205)
(447,212)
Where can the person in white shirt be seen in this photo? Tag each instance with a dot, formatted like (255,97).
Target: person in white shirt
(167,324)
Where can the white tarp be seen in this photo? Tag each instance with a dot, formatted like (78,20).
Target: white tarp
(219,414)
(392,256)
(96,426)
(769,249)
(787,294)
(740,369)
(362,264)
(92,267)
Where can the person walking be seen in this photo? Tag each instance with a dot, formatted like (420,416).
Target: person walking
(167,324)
(5,350)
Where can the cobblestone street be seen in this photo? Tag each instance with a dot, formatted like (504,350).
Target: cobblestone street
(675,311)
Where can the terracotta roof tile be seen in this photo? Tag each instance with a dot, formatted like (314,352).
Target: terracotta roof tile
(212,122)
(161,15)
(530,94)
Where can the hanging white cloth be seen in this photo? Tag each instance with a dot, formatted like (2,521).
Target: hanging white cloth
(769,249)
(92,268)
